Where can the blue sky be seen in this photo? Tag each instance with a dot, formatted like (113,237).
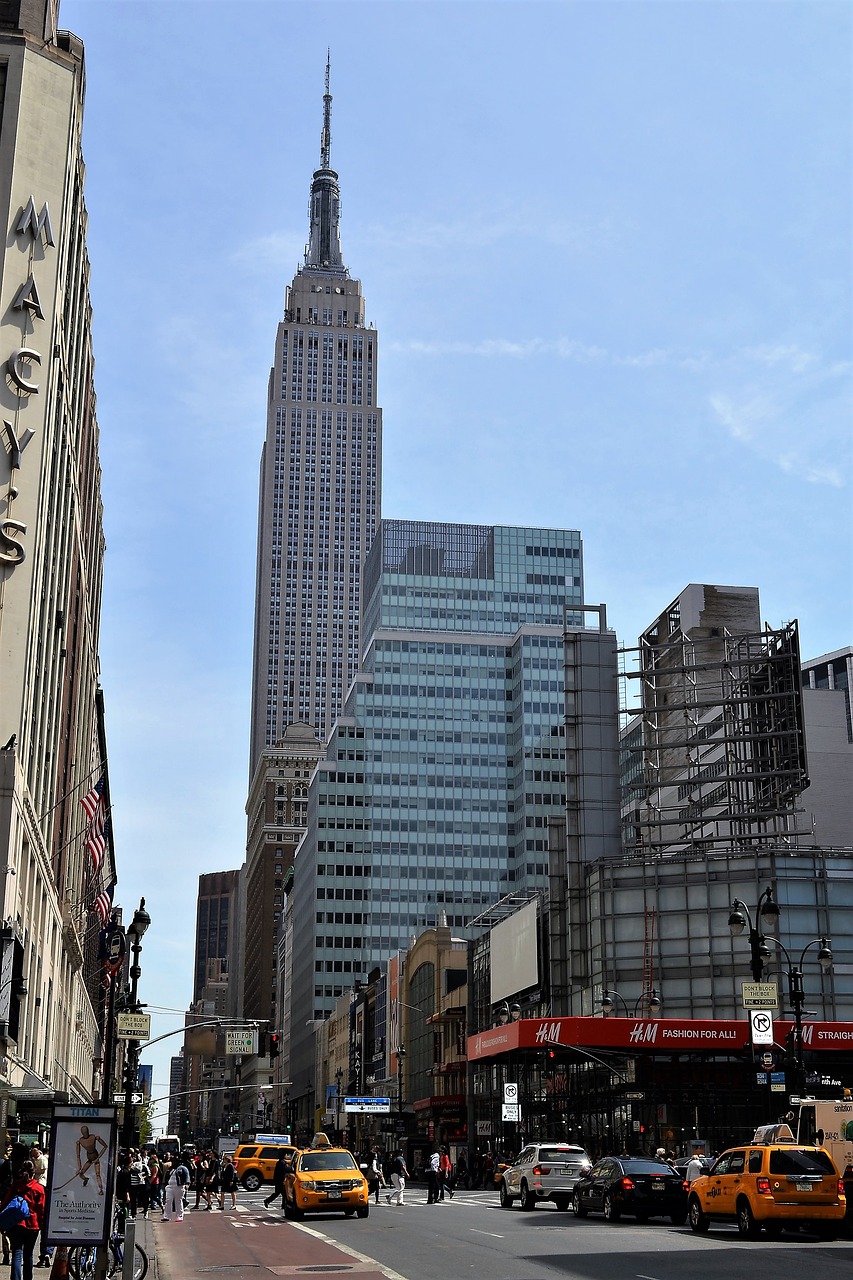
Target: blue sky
(607,248)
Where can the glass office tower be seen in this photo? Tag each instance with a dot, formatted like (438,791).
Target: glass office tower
(447,762)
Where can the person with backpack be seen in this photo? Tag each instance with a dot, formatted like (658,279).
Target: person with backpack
(174,1202)
(21,1219)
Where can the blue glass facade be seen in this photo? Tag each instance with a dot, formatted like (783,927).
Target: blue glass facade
(449,757)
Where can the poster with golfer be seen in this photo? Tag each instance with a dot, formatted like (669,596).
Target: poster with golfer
(81,1173)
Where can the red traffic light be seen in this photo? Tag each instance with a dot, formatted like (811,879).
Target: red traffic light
(275,1044)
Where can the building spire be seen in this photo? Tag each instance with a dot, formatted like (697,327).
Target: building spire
(326,135)
(324,245)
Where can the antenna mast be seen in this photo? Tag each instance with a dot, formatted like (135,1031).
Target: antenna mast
(326,135)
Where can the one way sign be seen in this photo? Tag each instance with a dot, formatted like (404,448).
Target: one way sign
(761,1025)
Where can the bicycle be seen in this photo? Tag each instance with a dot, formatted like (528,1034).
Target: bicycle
(82,1258)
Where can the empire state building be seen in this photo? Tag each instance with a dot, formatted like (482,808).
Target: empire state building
(319,484)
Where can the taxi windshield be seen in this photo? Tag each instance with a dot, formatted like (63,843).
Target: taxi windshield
(317,1161)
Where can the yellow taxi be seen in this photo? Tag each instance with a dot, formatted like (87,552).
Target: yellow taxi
(772,1182)
(255,1161)
(325,1179)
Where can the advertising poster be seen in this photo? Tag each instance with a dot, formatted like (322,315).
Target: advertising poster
(81,1175)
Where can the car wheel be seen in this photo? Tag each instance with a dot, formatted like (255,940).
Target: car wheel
(612,1213)
(562,1203)
(251,1180)
(579,1209)
(348,1213)
(698,1221)
(528,1201)
(363,1213)
(746,1224)
(506,1198)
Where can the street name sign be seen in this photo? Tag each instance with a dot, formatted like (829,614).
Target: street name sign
(135,1099)
(133,1026)
(760,995)
(362,1105)
(244,1040)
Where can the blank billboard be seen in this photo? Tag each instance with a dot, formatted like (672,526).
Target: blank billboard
(514,954)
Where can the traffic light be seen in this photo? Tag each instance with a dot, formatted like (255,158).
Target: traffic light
(275,1045)
(262,1044)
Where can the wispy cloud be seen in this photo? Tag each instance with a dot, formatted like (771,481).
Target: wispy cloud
(794,357)
(518,223)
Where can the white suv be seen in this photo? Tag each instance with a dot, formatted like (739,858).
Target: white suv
(543,1171)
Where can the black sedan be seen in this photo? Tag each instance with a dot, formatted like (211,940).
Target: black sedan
(644,1188)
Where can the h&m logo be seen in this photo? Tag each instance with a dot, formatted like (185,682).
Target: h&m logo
(644,1033)
(548,1033)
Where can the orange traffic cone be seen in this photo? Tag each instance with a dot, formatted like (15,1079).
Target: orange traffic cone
(59,1270)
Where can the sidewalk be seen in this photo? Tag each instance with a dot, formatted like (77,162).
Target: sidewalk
(247,1245)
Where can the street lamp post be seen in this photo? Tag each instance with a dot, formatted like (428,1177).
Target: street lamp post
(135,932)
(401,1055)
(797,999)
(760,954)
(740,917)
(649,998)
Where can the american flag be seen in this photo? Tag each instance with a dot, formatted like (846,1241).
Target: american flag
(93,803)
(103,904)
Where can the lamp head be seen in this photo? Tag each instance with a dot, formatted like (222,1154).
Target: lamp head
(654,1001)
(607,1002)
(141,920)
(737,920)
(514,1012)
(769,908)
(824,955)
(503,1013)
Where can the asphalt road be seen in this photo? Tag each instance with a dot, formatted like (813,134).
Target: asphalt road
(472,1236)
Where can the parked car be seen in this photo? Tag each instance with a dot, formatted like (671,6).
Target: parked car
(770,1182)
(543,1171)
(255,1162)
(640,1186)
(325,1179)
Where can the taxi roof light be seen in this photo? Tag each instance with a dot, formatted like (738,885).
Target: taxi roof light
(773,1135)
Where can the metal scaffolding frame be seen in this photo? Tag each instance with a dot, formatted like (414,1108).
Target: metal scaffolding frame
(715,754)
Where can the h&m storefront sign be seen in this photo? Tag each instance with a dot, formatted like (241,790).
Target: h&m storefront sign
(668,1035)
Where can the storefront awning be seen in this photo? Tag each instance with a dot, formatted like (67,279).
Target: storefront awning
(654,1035)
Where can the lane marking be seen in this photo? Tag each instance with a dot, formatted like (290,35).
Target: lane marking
(347,1249)
(494,1234)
